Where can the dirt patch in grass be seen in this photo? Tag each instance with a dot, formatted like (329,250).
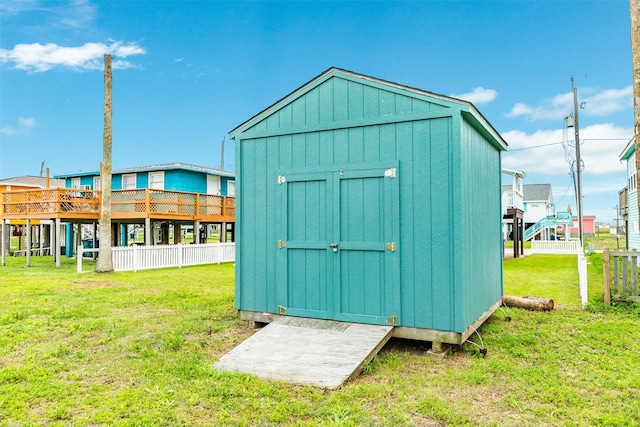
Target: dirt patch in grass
(96,284)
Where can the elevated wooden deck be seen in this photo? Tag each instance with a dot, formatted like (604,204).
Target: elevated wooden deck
(69,204)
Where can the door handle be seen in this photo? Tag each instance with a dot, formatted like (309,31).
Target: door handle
(334,246)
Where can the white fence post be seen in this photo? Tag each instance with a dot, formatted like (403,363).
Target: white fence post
(582,274)
(135,258)
(79,257)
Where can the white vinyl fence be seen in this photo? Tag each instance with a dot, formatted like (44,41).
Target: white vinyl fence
(556,247)
(134,258)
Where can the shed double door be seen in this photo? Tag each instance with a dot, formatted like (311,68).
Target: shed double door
(338,257)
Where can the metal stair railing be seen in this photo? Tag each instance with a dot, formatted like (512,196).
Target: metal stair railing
(547,222)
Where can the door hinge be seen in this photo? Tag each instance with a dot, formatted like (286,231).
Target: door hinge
(391,173)
(282,310)
(282,244)
(391,246)
(393,320)
(281,179)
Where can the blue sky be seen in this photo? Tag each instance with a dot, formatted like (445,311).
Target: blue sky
(185,73)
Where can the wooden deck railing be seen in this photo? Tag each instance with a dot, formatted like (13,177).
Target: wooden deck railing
(74,203)
(625,264)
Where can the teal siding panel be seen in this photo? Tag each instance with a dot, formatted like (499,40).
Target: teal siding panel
(285,147)
(371,144)
(480,284)
(340,100)
(634,230)
(270,218)
(325,102)
(356,145)
(441,216)
(341,146)
(252,275)
(299,152)
(260,227)
(388,142)
(312,107)
(298,112)
(312,149)
(404,104)
(371,102)
(286,116)
(325,148)
(356,100)
(403,138)
(420,282)
(387,103)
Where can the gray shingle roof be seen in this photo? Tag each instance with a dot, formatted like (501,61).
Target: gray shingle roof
(534,192)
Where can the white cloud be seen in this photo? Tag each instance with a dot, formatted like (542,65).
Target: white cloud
(478,95)
(542,152)
(36,57)
(596,103)
(76,14)
(22,127)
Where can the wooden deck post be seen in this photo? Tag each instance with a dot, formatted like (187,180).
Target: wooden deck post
(3,244)
(28,245)
(196,232)
(147,231)
(57,245)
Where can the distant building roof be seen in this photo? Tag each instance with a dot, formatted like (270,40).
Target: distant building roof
(33,181)
(162,167)
(536,192)
(533,192)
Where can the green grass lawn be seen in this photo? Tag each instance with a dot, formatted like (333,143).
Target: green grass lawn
(135,349)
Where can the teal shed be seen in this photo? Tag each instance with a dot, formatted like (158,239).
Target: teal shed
(367,201)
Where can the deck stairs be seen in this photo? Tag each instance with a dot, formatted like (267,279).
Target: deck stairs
(317,352)
(551,221)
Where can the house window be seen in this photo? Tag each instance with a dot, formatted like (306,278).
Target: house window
(231,188)
(96,183)
(129,181)
(631,173)
(75,182)
(156,180)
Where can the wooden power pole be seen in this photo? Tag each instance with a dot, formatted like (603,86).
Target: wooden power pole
(634,5)
(104,264)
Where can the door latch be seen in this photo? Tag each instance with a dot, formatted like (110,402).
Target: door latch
(334,246)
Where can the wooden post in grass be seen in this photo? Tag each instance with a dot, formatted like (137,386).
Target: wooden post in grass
(607,277)
(104,264)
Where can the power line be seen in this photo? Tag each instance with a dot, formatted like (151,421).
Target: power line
(558,143)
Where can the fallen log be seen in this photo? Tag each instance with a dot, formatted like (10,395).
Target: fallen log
(530,303)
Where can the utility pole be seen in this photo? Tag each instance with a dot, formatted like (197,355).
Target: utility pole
(634,6)
(578,163)
(104,264)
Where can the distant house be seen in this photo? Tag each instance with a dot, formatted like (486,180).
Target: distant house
(16,226)
(628,156)
(588,225)
(537,203)
(171,176)
(161,201)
